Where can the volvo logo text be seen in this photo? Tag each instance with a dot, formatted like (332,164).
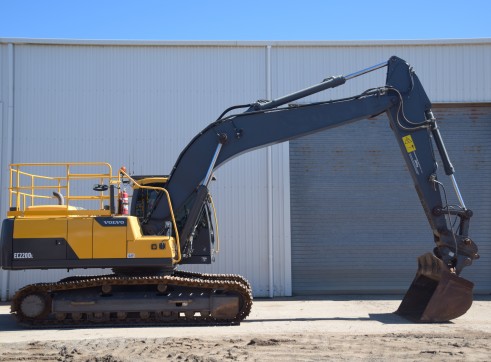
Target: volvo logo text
(114,222)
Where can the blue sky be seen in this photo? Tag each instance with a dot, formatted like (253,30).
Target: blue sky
(245,20)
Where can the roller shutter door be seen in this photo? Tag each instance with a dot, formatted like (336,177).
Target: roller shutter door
(357,223)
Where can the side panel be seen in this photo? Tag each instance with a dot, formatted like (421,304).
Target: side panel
(151,247)
(39,239)
(80,237)
(39,249)
(109,237)
(40,228)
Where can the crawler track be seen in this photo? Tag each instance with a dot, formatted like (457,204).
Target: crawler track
(182,298)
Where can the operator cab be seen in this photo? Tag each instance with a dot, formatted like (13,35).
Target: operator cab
(199,247)
(144,200)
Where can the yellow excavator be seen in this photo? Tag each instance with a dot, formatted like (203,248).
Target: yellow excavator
(172,220)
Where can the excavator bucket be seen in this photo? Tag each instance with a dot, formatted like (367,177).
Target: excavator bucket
(436,294)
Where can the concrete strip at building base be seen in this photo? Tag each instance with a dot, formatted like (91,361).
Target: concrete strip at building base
(358,315)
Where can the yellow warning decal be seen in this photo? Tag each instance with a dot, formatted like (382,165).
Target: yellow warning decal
(408,142)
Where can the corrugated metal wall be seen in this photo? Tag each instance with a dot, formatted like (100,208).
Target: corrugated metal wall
(357,223)
(139,103)
(450,72)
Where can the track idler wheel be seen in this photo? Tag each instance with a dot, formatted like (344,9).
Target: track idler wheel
(436,294)
(35,306)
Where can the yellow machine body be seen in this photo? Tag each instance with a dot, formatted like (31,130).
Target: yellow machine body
(97,238)
(45,235)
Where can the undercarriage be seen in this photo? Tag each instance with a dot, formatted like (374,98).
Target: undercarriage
(182,298)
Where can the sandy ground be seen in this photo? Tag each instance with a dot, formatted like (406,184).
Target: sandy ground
(291,329)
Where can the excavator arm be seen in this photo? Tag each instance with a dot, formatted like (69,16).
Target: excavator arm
(266,123)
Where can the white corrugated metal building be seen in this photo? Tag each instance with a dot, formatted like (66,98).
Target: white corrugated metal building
(317,215)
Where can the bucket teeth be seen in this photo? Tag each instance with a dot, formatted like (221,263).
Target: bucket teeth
(436,294)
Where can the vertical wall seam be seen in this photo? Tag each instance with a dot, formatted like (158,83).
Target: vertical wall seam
(269,183)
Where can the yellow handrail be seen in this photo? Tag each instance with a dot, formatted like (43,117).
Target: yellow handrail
(174,224)
(24,191)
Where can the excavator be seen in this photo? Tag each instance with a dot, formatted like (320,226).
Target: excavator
(172,219)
